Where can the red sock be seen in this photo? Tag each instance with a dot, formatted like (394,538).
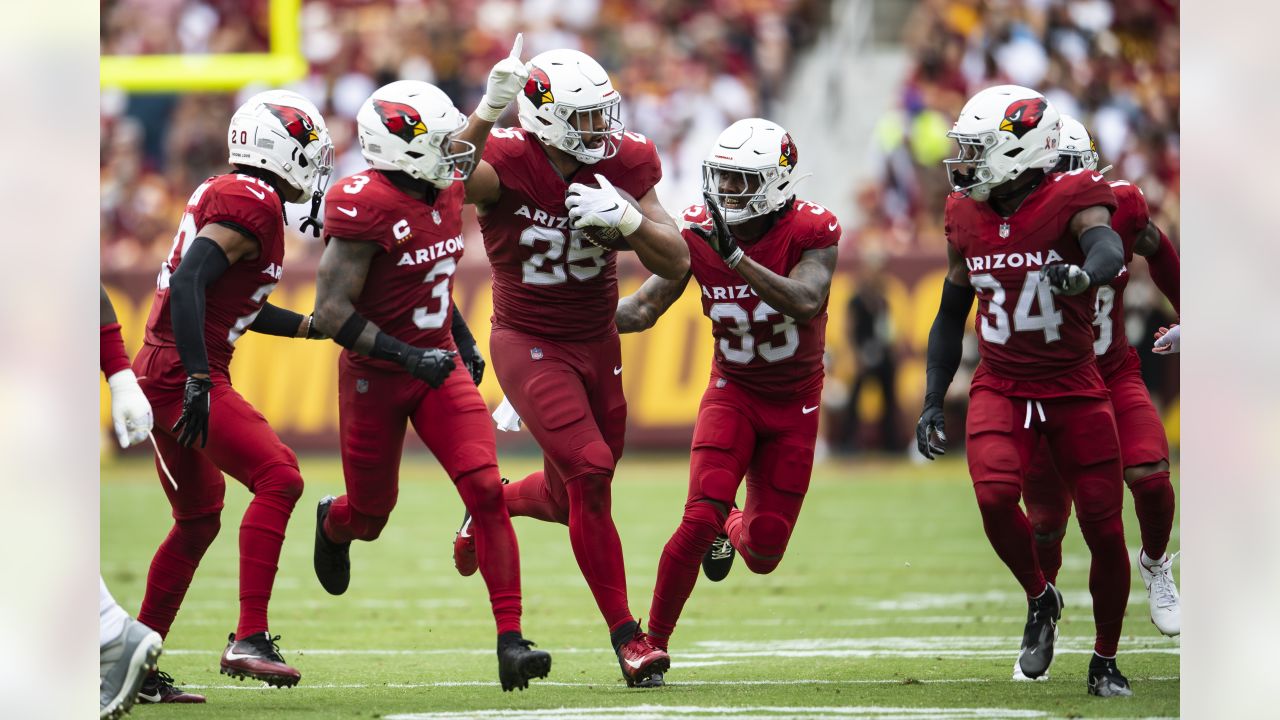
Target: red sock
(172,568)
(532,497)
(596,546)
(275,493)
(1153,502)
(1108,579)
(1010,533)
(678,568)
(497,552)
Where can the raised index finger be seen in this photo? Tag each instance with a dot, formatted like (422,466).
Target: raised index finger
(517,46)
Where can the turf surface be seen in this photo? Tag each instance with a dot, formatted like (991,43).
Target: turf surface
(890,603)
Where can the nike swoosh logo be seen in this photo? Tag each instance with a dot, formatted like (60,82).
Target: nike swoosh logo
(617,370)
(833,226)
(807,410)
(633,664)
(349,213)
(1096,178)
(237,656)
(155,698)
(261,195)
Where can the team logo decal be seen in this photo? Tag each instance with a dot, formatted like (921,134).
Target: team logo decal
(538,88)
(362,385)
(401,120)
(298,124)
(435,216)
(535,353)
(1004,230)
(789,155)
(1023,115)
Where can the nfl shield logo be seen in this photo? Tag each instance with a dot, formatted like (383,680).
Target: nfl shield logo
(721,382)
(535,353)
(1004,230)
(435,215)
(362,385)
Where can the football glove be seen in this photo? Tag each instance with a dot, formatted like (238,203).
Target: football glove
(430,365)
(1066,279)
(194,421)
(130,411)
(931,437)
(1168,340)
(601,207)
(473,361)
(505,81)
(717,236)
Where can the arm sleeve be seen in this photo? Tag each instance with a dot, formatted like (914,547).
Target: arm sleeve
(1103,254)
(946,341)
(203,263)
(277,321)
(462,336)
(1166,270)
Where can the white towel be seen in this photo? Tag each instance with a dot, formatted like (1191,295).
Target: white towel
(506,417)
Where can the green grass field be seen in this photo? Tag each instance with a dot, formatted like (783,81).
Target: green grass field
(889,604)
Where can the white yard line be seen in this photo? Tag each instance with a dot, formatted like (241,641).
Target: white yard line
(618,683)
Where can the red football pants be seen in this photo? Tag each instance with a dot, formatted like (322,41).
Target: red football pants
(374,406)
(242,444)
(1003,433)
(737,433)
(569,396)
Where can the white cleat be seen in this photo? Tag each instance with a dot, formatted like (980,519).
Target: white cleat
(1019,677)
(1162,593)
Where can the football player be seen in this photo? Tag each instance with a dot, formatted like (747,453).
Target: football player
(1033,247)
(384,291)
(763,261)
(226,258)
(554,346)
(127,649)
(1144,449)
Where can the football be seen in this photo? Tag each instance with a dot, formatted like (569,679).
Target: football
(610,238)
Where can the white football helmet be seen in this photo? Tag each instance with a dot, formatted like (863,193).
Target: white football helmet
(1076,146)
(1003,131)
(748,172)
(284,133)
(412,126)
(569,103)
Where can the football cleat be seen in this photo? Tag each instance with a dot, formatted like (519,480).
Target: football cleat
(464,548)
(1105,679)
(158,688)
(1040,633)
(518,663)
(642,662)
(332,560)
(1019,677)
(257,657)
(124,664)
(1162,593)
(718,559)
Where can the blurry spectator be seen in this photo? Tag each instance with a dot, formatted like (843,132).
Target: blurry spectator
(870,333)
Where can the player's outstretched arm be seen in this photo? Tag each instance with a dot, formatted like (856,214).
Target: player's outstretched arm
(640,310)
(130,410)
(505,81)
(946,345)
(1162,261)
(273,320)
(1103,254)
(344,266)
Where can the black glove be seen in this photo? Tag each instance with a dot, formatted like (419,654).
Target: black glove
(931,438)
(718,236)
(430,365)
(194,421)
(1066,279)
(473,360)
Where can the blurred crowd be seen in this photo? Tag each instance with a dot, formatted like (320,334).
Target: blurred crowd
(1112,65)
(685,69)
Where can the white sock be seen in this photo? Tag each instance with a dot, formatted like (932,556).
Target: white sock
(1148,562)
(111,616)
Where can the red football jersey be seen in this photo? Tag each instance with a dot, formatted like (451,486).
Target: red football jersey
(1032,343)
(547,280)
(768,353)
(408,292)
(233,301)
(1130,218)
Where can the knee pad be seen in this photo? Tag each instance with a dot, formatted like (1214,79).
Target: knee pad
(1144,475)
(473,457)
(481,491)
(1048,534)
(765,539)
(596,459)
(283,480)
(997,495)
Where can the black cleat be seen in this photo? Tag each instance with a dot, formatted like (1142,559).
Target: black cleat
(159,687)
(518,662)
(332,560)
(718,559)
(257,657)
(1041,631)
(1105,679)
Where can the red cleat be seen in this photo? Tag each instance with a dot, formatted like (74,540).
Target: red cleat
(257,657)
(642,662)
(464,549)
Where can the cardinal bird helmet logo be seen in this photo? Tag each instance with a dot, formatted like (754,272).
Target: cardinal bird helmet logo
(401,120)
(538,88)
(297,123)
(1023,115)
(789,155)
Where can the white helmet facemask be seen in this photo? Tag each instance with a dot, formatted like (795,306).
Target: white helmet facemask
(1076,146)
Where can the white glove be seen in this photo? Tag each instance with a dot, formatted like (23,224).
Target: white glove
(601,207)
(1065,279)
(130,411)
(1168,340)
(505,81)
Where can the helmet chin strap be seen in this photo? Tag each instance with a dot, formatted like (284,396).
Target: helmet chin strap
(313,223)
